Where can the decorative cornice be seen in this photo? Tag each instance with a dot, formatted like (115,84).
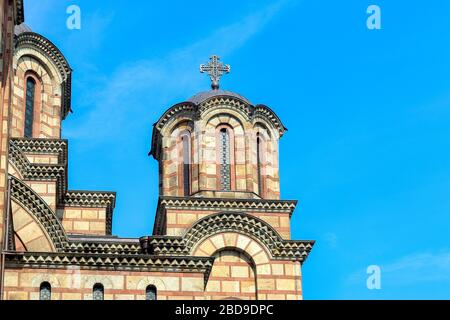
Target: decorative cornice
(228,101)
(20,16)
(196,111)
(25,196)
(98,247)
(40,146)
(93,199)
(168,245)
(244,223)
(264,112)
(216,204)
(19,147)
(171,254)
(184,107)
(47,48)
(114,263)
(279,248)
(41,172)
(177,110)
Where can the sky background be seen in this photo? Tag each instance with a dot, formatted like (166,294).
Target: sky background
(367,153)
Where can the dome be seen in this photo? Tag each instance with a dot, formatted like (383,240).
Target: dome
(203,96)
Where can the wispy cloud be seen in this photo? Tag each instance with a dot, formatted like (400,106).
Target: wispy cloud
(426,267)
(135,87)
(421,267)
(92,33)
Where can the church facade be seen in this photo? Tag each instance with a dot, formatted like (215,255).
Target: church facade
(220,232)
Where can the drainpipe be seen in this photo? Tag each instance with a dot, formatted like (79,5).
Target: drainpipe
(7,198)
(5,248)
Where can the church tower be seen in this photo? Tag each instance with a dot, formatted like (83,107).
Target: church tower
(219,174)
(218,144)
(221,230)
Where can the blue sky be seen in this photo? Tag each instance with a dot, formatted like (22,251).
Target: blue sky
(367,153)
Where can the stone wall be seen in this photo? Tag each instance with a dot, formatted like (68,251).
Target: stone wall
(89,221)
(243,269)
(232,276)
(205,164)
(47,100)
(7,22)
(275,280)
(75,284)
(28,233)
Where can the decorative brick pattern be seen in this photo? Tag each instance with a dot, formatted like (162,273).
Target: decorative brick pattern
(240,177)
(277,212)
(29,235)
(11,13)
(244,270)
(221,231)
(47,109)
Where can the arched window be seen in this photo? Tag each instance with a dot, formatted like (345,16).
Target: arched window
(186,154)
(45,291)
(29,107)
(150,293)
(98,292)
(259,163)
(224,159)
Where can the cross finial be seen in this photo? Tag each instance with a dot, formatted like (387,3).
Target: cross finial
(215,69)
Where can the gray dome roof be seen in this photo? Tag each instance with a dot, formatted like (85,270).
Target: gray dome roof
(203,96)
(21,28)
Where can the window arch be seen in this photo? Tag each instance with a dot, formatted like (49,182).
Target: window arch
(151,293)
(45,291)
(260,165)
(186,162)
(225,157)
(98,292)
(29,106)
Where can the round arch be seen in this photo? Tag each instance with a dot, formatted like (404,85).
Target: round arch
(38,208)
(150,281)
(239,261)
(89,282)
(38,279)
(239,222)
(28,231)
(221,116)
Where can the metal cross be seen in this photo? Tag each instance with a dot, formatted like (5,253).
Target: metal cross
(215,69)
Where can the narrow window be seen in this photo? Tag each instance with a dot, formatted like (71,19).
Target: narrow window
(186,164)
(225,163)
(98,292)
(45,291)
(259,153)
(150,293)
(29,107)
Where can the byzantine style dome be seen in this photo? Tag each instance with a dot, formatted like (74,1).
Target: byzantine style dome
(205,95)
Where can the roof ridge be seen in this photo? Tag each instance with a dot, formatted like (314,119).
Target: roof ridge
(204,95)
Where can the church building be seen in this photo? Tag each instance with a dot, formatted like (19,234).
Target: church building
(221,230)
